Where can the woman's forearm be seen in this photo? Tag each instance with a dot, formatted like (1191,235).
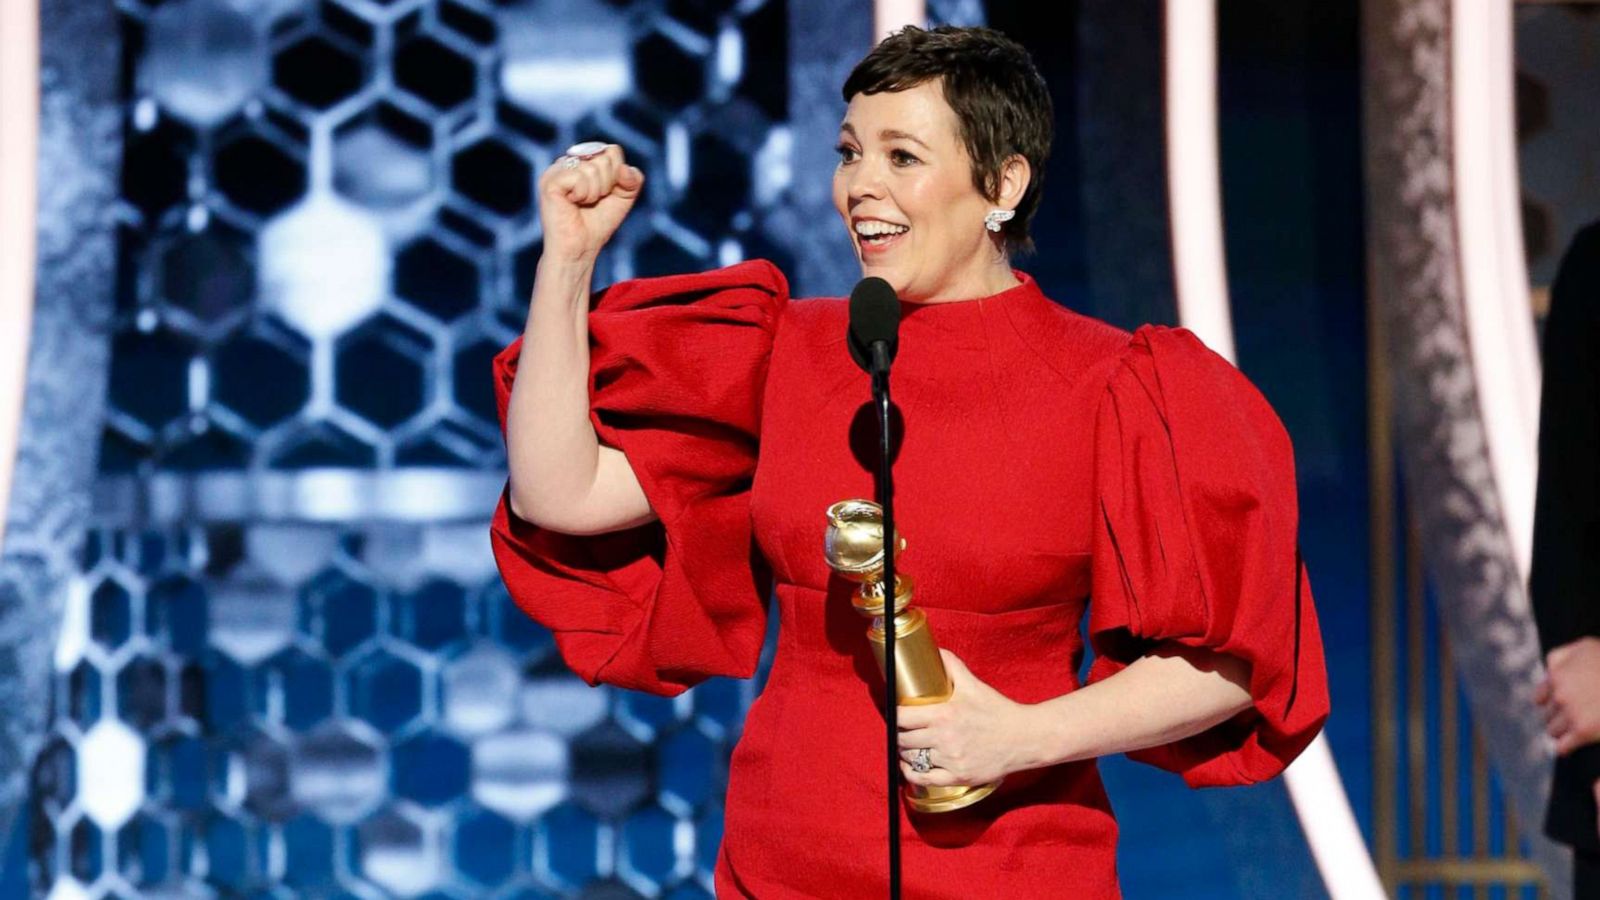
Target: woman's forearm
(1172,693)
(552,451)
(562,477)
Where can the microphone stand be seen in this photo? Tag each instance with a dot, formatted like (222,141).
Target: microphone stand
(880,394)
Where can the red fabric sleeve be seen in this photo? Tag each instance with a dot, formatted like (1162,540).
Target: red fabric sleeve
(1196,543)
(677,366)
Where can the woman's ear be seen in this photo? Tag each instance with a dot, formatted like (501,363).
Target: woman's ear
(1015,175)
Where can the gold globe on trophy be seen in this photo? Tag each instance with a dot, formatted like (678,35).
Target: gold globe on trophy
(854,548)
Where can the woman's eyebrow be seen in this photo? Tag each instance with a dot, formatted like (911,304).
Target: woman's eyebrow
(887,134)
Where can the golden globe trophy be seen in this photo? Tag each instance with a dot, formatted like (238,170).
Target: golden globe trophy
(854,548)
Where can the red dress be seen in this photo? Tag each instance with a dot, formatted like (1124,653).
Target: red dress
(1047,459)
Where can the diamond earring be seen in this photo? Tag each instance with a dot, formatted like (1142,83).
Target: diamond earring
(996,216)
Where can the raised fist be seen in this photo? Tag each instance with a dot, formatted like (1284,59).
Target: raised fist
(582,200)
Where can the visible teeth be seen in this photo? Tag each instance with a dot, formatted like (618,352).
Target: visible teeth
(874,229)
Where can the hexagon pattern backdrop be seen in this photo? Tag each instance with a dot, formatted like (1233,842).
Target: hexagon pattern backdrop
(289,667)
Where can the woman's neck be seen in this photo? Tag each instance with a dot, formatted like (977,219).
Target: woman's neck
(987,281)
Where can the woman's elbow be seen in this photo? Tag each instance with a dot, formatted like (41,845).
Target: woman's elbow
(537,508)
(520,505)
(1227,674)
(578,519)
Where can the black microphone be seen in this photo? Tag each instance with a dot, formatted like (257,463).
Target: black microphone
(874,334)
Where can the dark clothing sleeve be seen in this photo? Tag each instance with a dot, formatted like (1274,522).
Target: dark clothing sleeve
(1565,580)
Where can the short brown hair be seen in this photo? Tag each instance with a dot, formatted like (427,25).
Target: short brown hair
(998,96)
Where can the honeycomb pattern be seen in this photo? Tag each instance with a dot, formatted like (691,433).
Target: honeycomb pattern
(334,193)
(326,229)
(376,729)
(1556,46)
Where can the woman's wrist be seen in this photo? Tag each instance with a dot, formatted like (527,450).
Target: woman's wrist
(561,277)
(1050,733)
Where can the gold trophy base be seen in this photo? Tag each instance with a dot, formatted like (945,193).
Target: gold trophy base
(920,680)
(933,799)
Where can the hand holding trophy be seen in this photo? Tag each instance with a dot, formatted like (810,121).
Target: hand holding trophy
(853,545)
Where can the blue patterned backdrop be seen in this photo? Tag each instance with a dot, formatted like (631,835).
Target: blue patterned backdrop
(287,664)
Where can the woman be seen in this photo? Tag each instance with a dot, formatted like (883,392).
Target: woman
(673,451)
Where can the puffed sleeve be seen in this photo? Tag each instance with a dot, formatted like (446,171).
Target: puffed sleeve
(677,366)
(1196,543)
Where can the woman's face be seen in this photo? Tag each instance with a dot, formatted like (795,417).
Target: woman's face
(904,172)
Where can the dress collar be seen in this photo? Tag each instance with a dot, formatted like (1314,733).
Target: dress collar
(1023,298)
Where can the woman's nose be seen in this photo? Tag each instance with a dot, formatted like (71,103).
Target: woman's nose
(866,180)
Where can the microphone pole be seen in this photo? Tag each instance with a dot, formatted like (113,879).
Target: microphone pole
(873,339)
(880,392)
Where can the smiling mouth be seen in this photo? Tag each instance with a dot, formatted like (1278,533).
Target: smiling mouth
(881,237)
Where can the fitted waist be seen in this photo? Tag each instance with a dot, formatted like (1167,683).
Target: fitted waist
(1029,654)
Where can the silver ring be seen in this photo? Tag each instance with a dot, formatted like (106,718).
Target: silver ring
(920,763)
(570,162)
(587,149)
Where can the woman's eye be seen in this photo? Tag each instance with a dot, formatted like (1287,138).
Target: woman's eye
(846,154)
(902,158)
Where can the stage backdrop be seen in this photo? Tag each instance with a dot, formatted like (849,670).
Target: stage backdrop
(285,657)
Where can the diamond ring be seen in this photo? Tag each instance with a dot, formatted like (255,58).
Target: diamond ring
(920,763)
(587,149)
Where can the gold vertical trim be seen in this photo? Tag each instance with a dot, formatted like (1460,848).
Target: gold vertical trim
(1480,808)
(1416,693)
(1449,751)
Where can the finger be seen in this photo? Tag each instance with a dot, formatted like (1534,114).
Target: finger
(559,181)
(952,661)
(922,737)
(912,718)
(593,184)
(570,183)
(910,756)
(606,165)
(1556,656)
(1541,692)
(557,167)
(630,179)
(1558,725)
(576,190)
(1584,730)
(580,183)
(930,778)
